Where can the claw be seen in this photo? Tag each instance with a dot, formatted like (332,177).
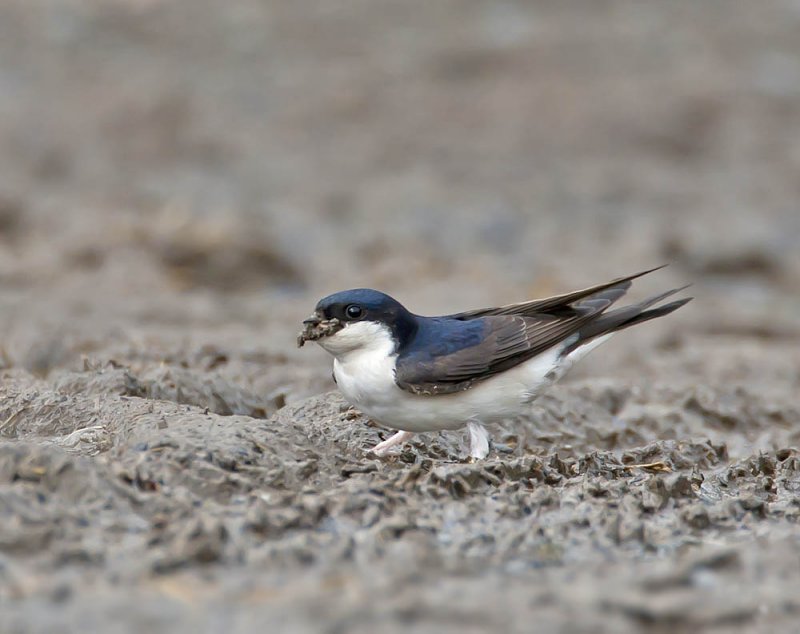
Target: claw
(382,448)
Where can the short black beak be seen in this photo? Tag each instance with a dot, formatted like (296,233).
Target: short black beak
(312,320)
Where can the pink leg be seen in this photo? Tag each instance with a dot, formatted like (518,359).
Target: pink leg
(382,448)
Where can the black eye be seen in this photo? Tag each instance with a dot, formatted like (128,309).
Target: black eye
(354,311)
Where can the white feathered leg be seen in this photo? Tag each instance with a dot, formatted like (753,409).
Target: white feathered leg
(382,448)
(478,441)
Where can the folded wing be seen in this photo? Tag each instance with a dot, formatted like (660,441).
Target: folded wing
(454,355)
(506,340)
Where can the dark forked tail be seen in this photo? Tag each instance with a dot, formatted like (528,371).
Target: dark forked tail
(627,316)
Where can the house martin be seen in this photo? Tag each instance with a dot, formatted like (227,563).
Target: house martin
(417,374)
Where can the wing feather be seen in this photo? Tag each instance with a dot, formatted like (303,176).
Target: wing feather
(500,338)
(507,341)
(556,302)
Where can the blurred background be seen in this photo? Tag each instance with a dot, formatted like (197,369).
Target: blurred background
(181,181)
(204,169)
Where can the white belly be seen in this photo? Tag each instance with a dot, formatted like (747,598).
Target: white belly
(365,376)
(369,385)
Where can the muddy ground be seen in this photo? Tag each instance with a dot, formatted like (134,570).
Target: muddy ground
(181,181)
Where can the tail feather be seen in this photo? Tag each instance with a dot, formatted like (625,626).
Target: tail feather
(627,316)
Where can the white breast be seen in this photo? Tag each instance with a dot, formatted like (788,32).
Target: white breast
(363,365)
(364,369)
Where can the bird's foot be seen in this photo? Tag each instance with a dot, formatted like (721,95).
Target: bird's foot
(382,448)
(478,441)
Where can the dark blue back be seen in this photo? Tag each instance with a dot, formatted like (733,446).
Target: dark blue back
(439,336)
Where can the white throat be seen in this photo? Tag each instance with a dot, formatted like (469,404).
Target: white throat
(358,339)
(364,362)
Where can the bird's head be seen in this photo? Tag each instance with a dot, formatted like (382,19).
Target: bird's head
(357,319)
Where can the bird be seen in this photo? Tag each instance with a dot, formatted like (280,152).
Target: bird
(416,374)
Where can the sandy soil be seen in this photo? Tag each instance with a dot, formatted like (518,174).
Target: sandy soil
(180,182)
